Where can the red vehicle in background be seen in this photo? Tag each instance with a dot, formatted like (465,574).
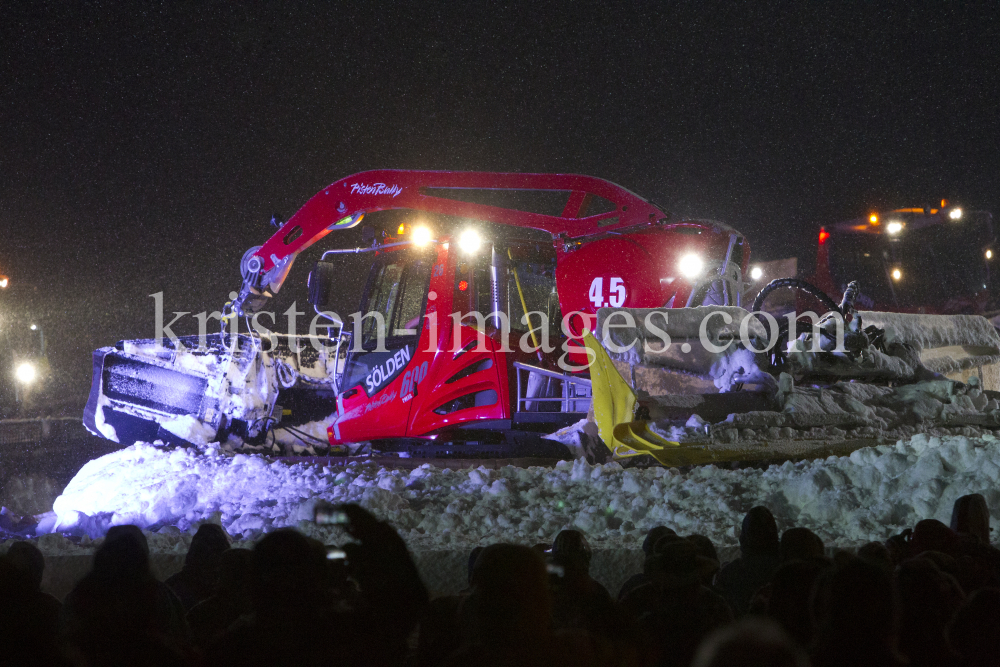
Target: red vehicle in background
(917,260)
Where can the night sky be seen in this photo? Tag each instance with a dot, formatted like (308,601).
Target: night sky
(145,146)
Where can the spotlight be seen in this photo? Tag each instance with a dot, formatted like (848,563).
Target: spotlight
(469,241)
(691,266)
(756,272)
(25,372)
(421,236)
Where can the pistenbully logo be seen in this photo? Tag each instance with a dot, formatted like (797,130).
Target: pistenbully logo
(375,189)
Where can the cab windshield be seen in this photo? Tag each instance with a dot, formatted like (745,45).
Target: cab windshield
(392,309)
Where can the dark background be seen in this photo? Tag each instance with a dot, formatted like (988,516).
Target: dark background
(144,146)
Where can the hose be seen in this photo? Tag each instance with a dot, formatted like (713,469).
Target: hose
(778,355)
(779,283)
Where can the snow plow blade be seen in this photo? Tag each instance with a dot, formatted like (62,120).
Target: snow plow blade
(181,391)
(614,405)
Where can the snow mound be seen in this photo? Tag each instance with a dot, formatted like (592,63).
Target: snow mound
(869,495)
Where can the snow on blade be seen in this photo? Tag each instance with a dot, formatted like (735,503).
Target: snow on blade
(869,495)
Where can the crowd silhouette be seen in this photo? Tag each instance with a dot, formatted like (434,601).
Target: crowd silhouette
(927,597)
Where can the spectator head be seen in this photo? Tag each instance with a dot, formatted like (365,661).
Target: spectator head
(207,545)
(932,535)
(29,560)
(857,609)
(571,550)
(708,558)
(876,553)
(759,533)
(123,556)
(289,570)
(928,597)
(752,642)
(971,516)
(511,586)
(235,571)
(974,632)
(791,596)
(473,557)
(675,562)
(800,544)
(653,536)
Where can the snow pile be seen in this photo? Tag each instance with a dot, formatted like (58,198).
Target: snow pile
(869,495)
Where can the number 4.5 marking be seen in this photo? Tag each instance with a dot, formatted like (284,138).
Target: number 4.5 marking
(616,292)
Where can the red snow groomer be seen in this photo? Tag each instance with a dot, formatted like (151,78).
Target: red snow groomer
(913,260)
(426,378)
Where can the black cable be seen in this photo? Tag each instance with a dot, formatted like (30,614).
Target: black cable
(778,283)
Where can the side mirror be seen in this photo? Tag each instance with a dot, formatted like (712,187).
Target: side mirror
(367,234)
(321,280)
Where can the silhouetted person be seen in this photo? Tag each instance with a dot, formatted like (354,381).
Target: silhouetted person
(578,601)
(971,516)
(296,618)
(647,548)
(974,632)
(674,609)
(441,627)
(759,552)
(752,642)
(876,553)
(196,580)
(231,600)
(800,544)
(928,599)
(512,613)
(709,563)
(119,613)
(856,624)
(29,561)
(29,633)
(790,598)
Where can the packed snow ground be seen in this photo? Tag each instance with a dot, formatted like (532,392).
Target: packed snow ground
(869,495)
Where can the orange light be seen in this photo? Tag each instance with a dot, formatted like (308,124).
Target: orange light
(823,235)
(944,203)
(873,218)
(462,285)
(401,229)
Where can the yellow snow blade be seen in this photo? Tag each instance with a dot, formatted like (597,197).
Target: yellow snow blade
(614,410)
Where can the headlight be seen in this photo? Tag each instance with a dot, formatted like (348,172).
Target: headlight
(756,272)
(421,236)
(894,227)
(897,275)
(955,214)
(469,241)
(3,282)
(989,254)
(691,266)
(25,372)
